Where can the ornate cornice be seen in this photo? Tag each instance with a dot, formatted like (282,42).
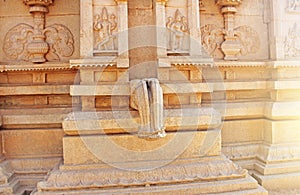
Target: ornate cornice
(38,2)
(34,67)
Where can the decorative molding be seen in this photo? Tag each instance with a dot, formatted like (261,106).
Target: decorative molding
(113,177)
(37,43)
(30,67)
(292,42)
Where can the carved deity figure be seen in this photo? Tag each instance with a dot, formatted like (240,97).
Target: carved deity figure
(104,27)
(177,27)
(292,42)
(147,98)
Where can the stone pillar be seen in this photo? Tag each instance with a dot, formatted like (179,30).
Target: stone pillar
(161,36)
(123,33)
(86,28)
(276,28)
(142,39)
(194,25)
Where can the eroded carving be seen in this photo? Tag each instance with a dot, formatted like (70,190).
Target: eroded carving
(196,171)
(104,27)
(37,43)
(212,38)
(292,42)
(293,5)
(147,98)
(177,27)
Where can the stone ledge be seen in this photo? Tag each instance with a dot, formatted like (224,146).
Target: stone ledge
(118,121)
(34,90)
(34,67)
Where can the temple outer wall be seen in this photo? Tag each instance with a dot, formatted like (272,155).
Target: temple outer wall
(261,123)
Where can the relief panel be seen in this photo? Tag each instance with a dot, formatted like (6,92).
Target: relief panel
(37,43)
(292,41)
(105,29)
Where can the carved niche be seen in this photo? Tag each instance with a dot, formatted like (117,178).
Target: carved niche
(231,41)
(105,28)
(37,43)
(292,42)
(177,32)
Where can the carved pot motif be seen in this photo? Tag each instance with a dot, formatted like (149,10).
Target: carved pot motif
(230,48)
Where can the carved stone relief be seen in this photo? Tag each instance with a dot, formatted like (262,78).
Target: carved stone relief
(105,26)
(178,28)
(292,42)
(37,43)
(231,41)
(147,98)
(293,5)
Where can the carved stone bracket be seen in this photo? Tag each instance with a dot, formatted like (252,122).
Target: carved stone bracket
(37,43)
(232,41)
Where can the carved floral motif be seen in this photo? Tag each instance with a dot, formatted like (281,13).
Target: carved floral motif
(37,43)
(177,27)
(292,42)
(104,27)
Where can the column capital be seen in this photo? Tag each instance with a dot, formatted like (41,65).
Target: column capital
(226,3)
(44,3)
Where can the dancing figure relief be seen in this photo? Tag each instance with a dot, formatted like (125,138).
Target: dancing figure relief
(178,28)
(104,27)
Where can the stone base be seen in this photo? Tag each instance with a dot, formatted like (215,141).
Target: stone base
(282,181)
(216,175)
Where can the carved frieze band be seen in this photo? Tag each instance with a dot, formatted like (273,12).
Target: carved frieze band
(37,43)
(116,177)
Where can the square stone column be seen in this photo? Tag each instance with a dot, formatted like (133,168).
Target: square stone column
(194,25)
(161,32)
(86,28)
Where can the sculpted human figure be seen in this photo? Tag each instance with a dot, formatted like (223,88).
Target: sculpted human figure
(177,27)
(147,98)
(105,26)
